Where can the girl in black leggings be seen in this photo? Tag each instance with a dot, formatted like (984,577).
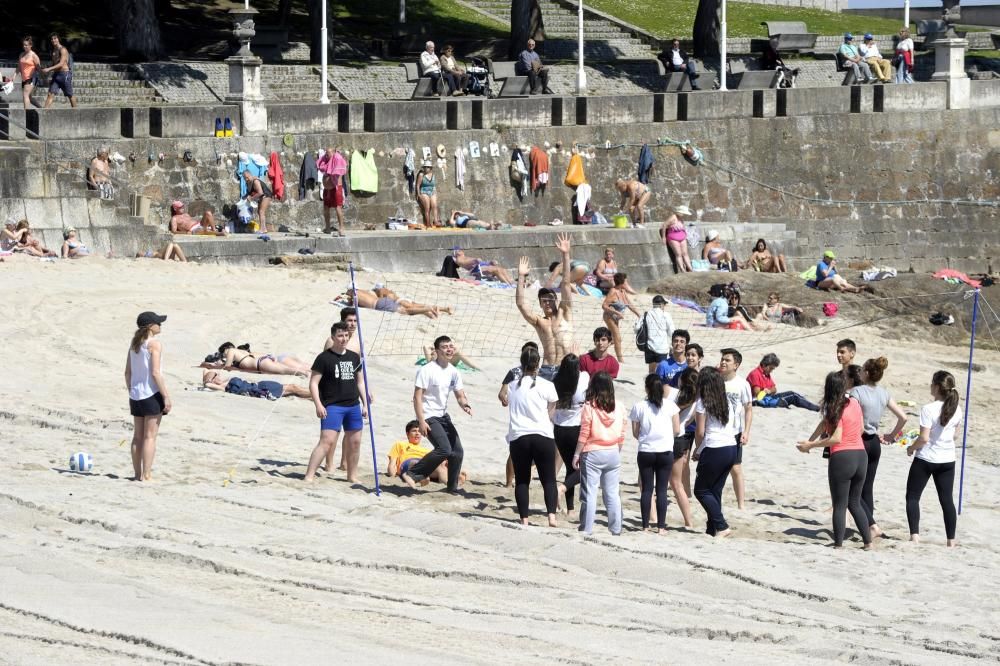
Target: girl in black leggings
(571,387)
(655,423)
(935,455)
(848,466)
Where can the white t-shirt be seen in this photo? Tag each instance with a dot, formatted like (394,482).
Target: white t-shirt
(739,395)
(571,417)
(656,428)
(941,447)
(529,407)
(437,383)
(716,434)
(686,414)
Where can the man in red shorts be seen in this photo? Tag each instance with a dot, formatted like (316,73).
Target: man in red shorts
(333,166)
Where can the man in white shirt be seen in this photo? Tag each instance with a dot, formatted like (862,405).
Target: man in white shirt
(740,411)
(431,67)
(676,59)
(434,382)
(881,67)
(659,329)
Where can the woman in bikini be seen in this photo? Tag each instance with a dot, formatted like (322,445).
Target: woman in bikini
(675,238)
(606,269)
(614,306)
(427,195)
(777,312)
(762,260)
(269,364)
(635,196)
(28,65)
(714,253)
(29,243)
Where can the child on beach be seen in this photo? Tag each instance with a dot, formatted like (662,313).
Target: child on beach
(716,436)
(598,453)
(404,455)
(740,400)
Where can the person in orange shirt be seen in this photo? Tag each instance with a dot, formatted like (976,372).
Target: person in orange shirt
(403,455)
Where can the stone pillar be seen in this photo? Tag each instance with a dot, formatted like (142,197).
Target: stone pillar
(244,75)
(949,65)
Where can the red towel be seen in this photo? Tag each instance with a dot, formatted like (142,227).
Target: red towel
(539,165)
(277,176)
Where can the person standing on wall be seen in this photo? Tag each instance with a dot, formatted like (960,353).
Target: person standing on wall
(62,72)
(148,398)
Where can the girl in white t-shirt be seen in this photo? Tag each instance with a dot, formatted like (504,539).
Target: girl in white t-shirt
(715,447)
(571,386)
(532,400)
(655,423)
(935,455)
(685,397)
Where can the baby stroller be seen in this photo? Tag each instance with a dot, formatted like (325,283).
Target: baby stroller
(479,78)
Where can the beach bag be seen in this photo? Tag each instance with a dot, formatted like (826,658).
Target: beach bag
(574,172)
(642,336)
(831,309)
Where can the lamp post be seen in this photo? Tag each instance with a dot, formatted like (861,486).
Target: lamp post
(906,14)
(581,75)
(324,98)
(722,49)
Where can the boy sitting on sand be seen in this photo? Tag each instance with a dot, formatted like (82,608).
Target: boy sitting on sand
(403,455)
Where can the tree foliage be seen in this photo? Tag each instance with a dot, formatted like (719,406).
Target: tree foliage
(525,23)
(707,28)
(138,29)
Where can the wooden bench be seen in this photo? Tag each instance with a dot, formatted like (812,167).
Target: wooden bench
(425,86)
(791,36)
(513,84)
(752,79)
(675,81)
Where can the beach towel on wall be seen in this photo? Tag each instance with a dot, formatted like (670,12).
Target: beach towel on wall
(364,173)
(277,176)
(539,169)
(574,172)
(308,175)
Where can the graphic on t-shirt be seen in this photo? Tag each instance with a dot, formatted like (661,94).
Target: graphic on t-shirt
(344,370)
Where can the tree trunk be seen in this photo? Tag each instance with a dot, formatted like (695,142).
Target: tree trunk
(707,28)
(284,11)
(315,30)
(138,29)
(525,23)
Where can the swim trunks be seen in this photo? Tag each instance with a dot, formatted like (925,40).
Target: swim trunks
(386,304)
(340,418)
(333,197)
(63,81)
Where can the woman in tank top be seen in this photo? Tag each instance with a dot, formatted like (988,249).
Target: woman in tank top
(148,398)
(28,65)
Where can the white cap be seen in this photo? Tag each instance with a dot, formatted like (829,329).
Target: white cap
(712,235)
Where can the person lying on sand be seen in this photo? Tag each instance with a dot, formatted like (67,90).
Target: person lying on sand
(386,300)
(404,455)
(481,268)
(170,251)
(231,357)
(463,219)
(216,380)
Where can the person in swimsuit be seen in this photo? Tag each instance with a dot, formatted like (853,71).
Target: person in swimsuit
(386,300)
(215,380)
(169,251)
(777,312)
(614,306)
(234,358)
(28,243)
(635,196)
(465,220)
(606,269)
(99,174)
(675,238)
(28,66)
(62,72)
(715,253)
(762,260)
(182,223)
(72,248)
(481,268)
(261,193)
(427,196)
(555,325)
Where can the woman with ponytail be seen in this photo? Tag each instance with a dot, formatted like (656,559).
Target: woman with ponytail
(716,432)
(571,387)
(532,400)
(874,400)
(843,419)
(655,423)
(934,453)
(148,400)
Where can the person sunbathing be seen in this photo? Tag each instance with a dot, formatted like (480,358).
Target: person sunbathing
(182,223)
(29,244)
(386,300)
(232,357)
(481,268)
(761,259)
(217,380)
(170,251)
(72,248)
(465,220)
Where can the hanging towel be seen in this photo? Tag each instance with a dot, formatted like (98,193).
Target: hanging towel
(459,169)
(539,168)
(574,172)
(409,169)
(646,163)
(525,176)
(364,173)
(308,175)
(582,197)
(277,176)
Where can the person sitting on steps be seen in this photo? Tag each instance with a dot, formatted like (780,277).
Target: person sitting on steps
(675,59)
(530,65)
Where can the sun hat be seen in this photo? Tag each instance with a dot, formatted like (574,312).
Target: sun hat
(682,210)
(442,152)
(149,318)
(712,235)
(829,253)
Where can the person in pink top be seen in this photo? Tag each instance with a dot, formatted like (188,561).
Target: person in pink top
(841,429)
(333,166)
(598,453)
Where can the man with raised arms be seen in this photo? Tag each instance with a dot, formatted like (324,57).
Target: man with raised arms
(555,325)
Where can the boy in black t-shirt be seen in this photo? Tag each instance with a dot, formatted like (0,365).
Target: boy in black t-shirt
(338,390)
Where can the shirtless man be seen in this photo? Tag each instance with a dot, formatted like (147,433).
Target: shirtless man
(386,300)
(217,380)
(99,174)
(62,75)
(182,223)
(261,193)
(555,325)
(635,196)
(481,268)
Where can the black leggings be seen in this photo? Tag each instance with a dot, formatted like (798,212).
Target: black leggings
(873,447)
(541,451)
(847,477)
(656,465)
(566,439)
(944,482)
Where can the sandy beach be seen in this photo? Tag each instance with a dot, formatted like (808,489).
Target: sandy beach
(228,557)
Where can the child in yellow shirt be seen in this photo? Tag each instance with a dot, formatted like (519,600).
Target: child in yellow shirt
(404,454)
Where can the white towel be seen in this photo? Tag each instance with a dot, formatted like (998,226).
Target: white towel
(459,169)
(582,197)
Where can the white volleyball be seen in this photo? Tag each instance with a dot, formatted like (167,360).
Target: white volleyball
(81,462)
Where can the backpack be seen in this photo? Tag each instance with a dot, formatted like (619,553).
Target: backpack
(642,335)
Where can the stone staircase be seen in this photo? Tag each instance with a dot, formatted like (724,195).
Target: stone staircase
(603,40)
(208,82)
(99,84)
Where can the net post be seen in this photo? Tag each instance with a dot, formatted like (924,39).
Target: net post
(968,396)
(364,373)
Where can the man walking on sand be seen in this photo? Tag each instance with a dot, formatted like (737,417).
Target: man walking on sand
(430,404)
(338,390)
(555,325)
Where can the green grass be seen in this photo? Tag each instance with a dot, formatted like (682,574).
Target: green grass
(674,18)
(447,19)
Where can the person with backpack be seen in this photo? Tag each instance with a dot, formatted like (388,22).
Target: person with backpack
(654,331)
(62,72)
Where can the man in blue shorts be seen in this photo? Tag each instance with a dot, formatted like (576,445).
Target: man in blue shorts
(338,390)
(61,71)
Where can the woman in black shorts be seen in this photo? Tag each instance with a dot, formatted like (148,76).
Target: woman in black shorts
(147,393)
(686,395)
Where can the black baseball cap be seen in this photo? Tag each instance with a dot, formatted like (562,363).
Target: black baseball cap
(149,318)
(659,300)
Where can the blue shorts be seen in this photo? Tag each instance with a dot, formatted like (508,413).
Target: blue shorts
(342,418)
(407,464)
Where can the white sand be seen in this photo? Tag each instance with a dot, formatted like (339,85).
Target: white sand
(95,569)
